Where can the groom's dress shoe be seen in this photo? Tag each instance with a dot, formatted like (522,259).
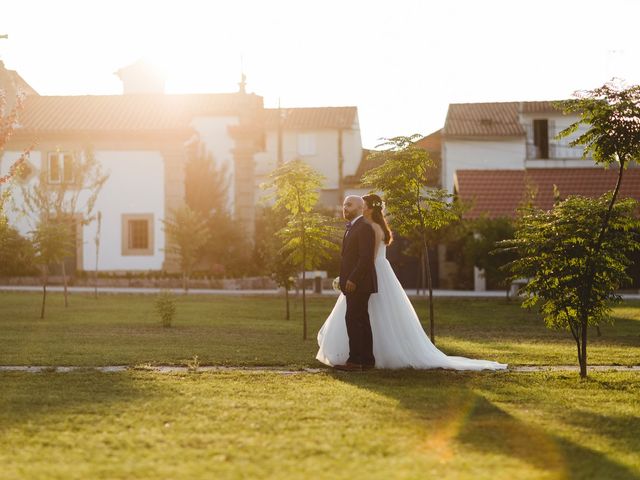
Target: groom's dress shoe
(349,367)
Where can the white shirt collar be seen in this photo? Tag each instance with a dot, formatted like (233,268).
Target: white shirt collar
(356,219)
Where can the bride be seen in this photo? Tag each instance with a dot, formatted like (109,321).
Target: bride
(399,340)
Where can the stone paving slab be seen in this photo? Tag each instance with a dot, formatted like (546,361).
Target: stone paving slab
(284,371)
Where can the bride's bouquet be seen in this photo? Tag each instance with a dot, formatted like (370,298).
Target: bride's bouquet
(336,285)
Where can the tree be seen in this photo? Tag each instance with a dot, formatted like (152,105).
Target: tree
(206,184)
(416,210)
(187,234)
(480,248)
(227,250)
(69,201)
(308,235)
(51,242)
(14,251)
(269,254)
(611,114)
(559,251)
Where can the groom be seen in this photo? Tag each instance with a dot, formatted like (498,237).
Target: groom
(358,281)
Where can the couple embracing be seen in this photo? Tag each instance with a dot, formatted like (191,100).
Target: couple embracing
(373,324)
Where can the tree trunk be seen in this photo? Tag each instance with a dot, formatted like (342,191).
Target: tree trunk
(64,281)
(97,242)
(185,285)
(419,280)
(45,279)
(432,336)
(583,348)
(286,298)
(304,302)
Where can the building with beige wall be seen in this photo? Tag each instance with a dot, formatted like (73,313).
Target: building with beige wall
(326,138)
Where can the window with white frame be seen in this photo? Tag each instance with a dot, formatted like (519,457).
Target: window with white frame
(60,167)
(306,144)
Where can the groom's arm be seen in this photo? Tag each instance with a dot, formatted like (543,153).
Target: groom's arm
(366,246)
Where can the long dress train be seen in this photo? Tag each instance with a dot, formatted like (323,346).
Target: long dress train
(399,341)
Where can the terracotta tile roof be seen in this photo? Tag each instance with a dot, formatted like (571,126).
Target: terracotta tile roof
(150,112)
(367,162)
(538,107)
(431,143)
(498,193)
(312,118)
(21,84)
(497,119)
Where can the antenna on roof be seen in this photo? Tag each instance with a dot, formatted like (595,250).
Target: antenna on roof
(243,78)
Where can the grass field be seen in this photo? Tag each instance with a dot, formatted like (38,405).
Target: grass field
(123,329)
(401,424)
(374,425)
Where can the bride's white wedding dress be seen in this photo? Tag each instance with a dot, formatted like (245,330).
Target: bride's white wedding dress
(399,340)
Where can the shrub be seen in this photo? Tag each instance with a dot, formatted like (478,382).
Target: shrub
(165,306)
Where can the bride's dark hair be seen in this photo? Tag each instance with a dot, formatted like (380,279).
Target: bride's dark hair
(374,202)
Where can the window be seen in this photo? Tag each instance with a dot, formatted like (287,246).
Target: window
(541,137)
(306,144)
(60,167)
(137,234)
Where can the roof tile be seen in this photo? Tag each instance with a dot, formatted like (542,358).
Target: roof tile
(499,193)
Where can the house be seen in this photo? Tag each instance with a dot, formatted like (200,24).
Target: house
(140,140)
(326,138)
(494,153)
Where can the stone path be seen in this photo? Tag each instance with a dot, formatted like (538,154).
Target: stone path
(283,371)
(201,291)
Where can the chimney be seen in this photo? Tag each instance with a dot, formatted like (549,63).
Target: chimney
(141,77)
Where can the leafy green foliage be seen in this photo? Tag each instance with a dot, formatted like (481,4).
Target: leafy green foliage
(558,251)
(612,116)
(165,307)
(16,252)
(206,184)
(480,248)
(307,236)
(187,234)
(226,250)
(415,209)
(403,179)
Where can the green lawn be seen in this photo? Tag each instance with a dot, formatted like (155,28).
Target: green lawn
(252,424)
(123,329)
(374,425)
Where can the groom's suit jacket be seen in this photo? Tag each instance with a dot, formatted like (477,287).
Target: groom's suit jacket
(357,264)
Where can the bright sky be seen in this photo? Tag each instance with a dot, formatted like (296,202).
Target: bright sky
(401,62)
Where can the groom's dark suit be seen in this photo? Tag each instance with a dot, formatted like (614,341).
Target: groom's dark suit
(357,265)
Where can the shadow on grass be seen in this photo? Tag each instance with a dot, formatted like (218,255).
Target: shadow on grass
(621,430)
(452,411)
(36,399)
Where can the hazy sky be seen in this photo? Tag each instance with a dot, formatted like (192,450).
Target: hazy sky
(401,62)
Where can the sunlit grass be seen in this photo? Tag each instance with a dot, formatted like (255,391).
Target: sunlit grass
(124,329)
(376,425)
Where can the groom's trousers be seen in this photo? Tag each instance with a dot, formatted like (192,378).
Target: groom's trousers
(359,329)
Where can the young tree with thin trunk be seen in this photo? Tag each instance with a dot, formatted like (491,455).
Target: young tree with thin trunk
(69,201)
(96,242)
(307,236)
(51,242)
(559,250)
(610,117)
(415,209)
(187,234)
(269,254)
